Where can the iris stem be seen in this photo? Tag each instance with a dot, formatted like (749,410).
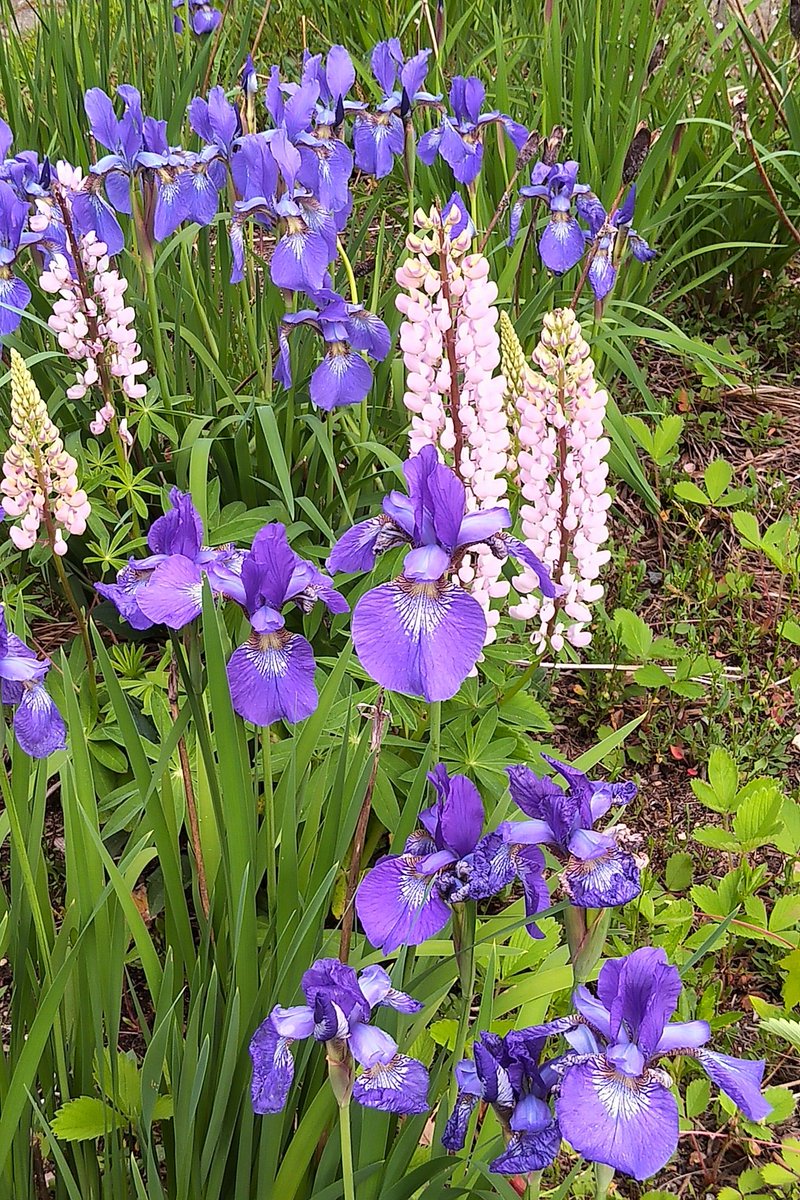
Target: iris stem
(380,719)
(534,1186)
(348,270)
(602,1180)
(464,921)
(436,731)
(269,816)
(188,787)
(347,1153)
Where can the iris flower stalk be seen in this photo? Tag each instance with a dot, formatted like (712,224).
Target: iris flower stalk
(339,1009)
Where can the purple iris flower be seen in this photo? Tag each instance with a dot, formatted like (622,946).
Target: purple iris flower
(123,137)
(459,140)
(303,254)
(166,587)
(218,123)
(338,1010)
(562,243)
(599,869)
(379,136)
(14,291)
(406,898)
(343,377)
(248,80)
(271,676)
(203,18)
(422,634)
(614,1105)
(38,725)
(303,112)
(604,230)
(506,1073)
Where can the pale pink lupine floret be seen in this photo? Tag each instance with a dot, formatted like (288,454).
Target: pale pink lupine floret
(40,480)
(472,316)
(563,400)
(106,310)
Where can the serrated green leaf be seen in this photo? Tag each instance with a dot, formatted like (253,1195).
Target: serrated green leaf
(757,819)
(686,490)
(783,1103)
(634,633)
(85,1119)
(723,776)
(708,901)
(698,1095)
(717,477)
(790,629)
(642,432)
(716,839)
(653,676)
(679,871)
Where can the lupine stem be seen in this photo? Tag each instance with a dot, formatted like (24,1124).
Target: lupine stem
(347,1153)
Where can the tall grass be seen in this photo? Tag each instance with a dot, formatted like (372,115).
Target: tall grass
(133,1024)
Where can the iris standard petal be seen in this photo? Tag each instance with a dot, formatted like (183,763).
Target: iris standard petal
(683,1035)
(376,986)
(370,1045)
(461,814)
(422,639)
(296,1022)
(630,1125)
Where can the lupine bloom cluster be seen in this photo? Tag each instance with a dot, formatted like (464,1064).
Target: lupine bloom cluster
(454,391)
(422,634)
(338,1012)
(40,483)
(561,472)
(38,725)
(94,327)
(407,898)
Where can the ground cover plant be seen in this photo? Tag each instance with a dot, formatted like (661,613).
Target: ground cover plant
(399,565)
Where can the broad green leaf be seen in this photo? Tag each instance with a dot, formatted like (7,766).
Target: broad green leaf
(635,635)
(665,437)
(746,526)
(757,819)
(717,477)
(85,1119)
(686,490)
(679,871)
